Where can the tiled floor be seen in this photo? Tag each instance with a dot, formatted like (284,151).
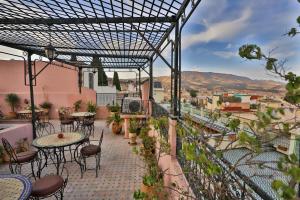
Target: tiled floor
(120,174)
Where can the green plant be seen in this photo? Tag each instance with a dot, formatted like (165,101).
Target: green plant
(139,195)
(77,105)
(114,118)
(116,81)
(91,107)
(13,100)
(114,108)
(133,125)
(46,105)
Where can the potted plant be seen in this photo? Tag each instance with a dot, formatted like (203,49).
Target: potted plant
(116,121)
(14,101)
(91,107)
(113,108)
(133,130)
(46,106)
(77,105)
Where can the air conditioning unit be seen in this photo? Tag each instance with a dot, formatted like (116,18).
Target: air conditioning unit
(131,105)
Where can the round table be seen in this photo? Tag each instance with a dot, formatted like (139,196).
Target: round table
(57,144)
(82,114)
(79,116)
(26,114)
(14,186)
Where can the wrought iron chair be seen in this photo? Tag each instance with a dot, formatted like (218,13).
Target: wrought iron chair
(17,160)
(50,185)
(44,128)
(85,151)
(88,125)
(66,121)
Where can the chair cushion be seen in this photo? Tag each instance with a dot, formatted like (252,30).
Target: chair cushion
(26,156)
(90,150)
(66,121)
(47,185)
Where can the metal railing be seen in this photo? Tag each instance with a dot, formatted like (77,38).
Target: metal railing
(160,111)
(230,183)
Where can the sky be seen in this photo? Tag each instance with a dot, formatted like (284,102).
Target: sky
(212,36)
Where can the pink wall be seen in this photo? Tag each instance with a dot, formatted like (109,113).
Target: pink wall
(17,132)
(55,84)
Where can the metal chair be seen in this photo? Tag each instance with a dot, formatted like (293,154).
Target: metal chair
(44,128)
(85,151)
(17,160)
(50,185)
(88,125)
(66,121)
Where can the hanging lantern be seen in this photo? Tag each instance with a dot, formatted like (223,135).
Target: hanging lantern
(50,52)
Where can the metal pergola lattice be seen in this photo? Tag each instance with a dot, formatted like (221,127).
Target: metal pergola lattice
(123,33)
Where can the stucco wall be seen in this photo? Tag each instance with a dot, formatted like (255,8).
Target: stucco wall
(55,84)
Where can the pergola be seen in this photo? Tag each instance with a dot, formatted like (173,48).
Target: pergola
(125,34)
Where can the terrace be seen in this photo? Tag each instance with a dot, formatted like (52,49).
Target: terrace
(78,41)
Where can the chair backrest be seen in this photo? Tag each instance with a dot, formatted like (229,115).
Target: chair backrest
(44,128)
(9,150)
(101,138)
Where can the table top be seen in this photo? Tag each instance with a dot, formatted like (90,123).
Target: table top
(14,186)
(52,141)
(82,114)
(28,111)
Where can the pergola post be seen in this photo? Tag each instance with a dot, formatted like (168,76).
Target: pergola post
(151,78)
(140,92)
(176,71)
(33,115)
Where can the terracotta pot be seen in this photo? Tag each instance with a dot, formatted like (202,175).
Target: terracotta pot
(116,128)
(132,137)
(12,115)
(149,190)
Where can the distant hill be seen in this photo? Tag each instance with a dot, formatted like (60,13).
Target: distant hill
(223,82)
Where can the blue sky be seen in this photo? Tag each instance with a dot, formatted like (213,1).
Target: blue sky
(217,29)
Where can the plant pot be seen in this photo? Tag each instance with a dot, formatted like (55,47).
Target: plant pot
(132,137)
(12,115)
(116,128)
(149,190)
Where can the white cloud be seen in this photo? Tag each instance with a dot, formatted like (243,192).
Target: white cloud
(219,31)
(225,54)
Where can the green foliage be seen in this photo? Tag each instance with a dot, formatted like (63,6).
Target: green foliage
(13,100)
(139,195)
(133,125)
(159,123)
(234,124)
(193,93)
(91,107)
(46,105)
(250,51)
(77,105)
(116,81)
(102,78)
(114,118)
(114,108)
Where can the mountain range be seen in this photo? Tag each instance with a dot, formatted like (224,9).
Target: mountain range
(211,81)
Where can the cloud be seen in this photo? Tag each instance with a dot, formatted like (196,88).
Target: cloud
(225,54)
(219,31)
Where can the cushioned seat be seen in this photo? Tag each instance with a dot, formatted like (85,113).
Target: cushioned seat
(90,150)
(47,185)
(26,156)
(66,121)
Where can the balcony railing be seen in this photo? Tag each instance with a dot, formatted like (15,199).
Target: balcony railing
(229,184)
